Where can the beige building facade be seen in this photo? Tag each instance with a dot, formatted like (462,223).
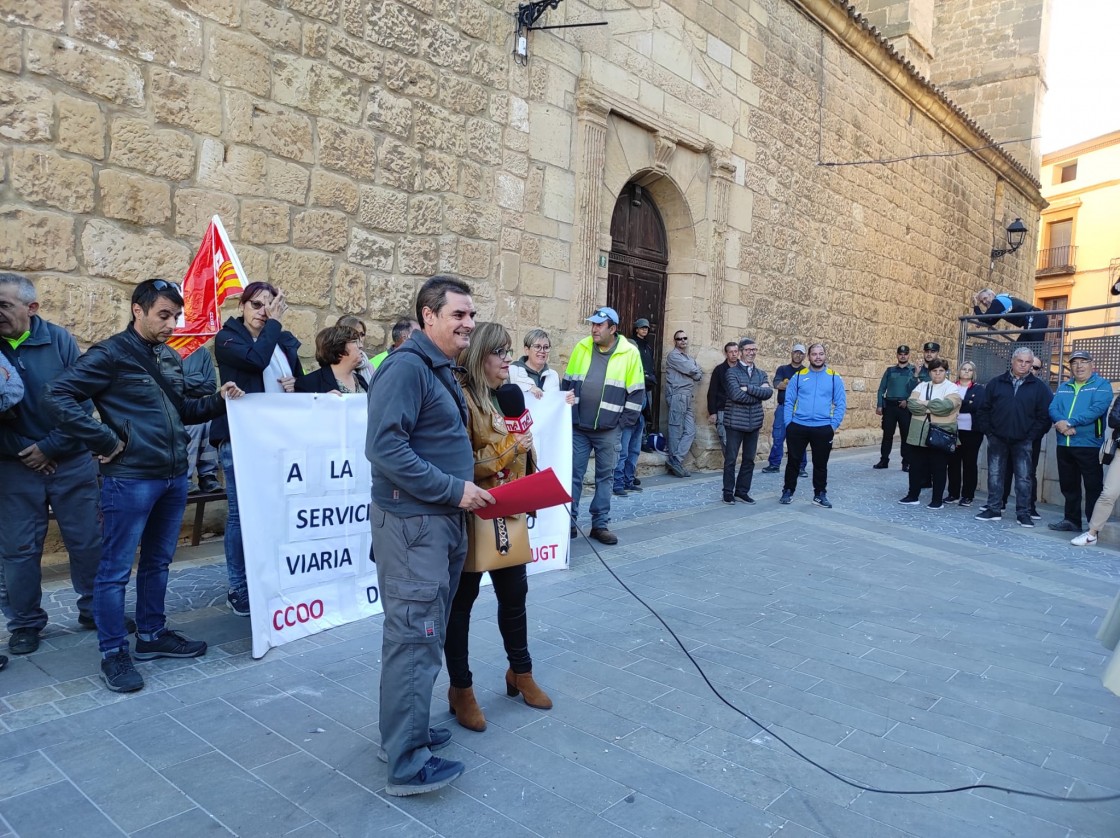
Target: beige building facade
(1078,242)
(770,168)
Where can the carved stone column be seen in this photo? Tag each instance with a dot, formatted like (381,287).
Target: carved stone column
(723,172)
(591,162)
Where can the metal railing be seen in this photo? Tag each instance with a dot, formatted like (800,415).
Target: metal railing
(990,348)
(1057,260)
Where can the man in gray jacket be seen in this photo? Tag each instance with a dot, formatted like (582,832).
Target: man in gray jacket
(422,464)
(681,374)
(746,388)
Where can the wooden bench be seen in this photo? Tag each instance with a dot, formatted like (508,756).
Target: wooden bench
(199,499)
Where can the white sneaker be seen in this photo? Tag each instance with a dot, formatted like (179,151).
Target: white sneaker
(1083,540)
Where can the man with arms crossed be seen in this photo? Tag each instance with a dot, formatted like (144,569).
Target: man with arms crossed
(421,467)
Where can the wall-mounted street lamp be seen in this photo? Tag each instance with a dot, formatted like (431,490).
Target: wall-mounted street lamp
(1016,233)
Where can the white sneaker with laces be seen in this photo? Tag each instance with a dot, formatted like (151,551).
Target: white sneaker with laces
(1083,540)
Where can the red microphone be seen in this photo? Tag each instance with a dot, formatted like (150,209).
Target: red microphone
(511,401)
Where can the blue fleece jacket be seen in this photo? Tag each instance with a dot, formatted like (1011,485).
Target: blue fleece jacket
(1085,407)
(816,399)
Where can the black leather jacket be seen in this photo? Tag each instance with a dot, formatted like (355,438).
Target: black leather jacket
(132,406)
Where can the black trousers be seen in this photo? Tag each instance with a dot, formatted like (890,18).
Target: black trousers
(895,416)
(1077,465)
(963,471)
(748,441)
(800,437)
(510,587)
(927,464)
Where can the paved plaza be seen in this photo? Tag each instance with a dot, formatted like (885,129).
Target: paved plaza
(901,647)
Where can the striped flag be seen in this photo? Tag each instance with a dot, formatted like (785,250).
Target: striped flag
(214,274)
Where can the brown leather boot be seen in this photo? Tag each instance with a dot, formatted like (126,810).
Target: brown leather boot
(464,707)
(534,696)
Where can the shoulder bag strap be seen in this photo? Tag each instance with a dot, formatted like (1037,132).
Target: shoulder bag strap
(149,364)
(454,397)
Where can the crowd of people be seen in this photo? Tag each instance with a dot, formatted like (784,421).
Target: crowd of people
(438,441)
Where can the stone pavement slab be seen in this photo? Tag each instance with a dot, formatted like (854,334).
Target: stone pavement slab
(901,647)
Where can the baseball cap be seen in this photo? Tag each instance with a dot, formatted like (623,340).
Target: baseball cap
(903,350)
(604,314)
(1080,355)
(932,346)
(640,323)
(798,347)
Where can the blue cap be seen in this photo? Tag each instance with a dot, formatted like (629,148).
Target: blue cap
(604,314)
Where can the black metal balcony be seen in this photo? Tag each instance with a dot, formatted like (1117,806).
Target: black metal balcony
(1055,261)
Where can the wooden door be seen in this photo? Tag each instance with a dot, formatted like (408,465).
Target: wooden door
(636,273)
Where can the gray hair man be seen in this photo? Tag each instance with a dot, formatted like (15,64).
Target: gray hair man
(422,465)
(747,388)
(41,468)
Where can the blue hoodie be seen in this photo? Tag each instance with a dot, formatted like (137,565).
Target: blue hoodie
(816,399)
(1085,407)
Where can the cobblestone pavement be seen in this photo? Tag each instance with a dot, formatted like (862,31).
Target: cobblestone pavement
(899,646)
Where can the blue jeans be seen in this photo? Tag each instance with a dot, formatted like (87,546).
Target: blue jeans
(630,448)
(235,549)
(778,438)
(605,444)
(1017,453)
(148,513)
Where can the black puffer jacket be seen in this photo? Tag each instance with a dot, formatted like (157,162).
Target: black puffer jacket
(133,407)
(746,391)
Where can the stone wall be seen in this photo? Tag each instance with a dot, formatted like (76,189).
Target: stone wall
(352,147)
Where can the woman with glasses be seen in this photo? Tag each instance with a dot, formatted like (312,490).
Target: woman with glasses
(962,462)
(499,456)
(531,372)
(338,349)
(933,402)
(254,352)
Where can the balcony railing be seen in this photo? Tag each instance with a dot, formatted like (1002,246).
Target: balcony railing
(1057,260)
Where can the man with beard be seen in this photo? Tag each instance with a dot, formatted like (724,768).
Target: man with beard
(814,409)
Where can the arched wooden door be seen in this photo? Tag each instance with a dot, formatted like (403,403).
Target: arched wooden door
(637,272)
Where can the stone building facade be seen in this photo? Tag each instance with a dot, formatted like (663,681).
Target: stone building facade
(352,147)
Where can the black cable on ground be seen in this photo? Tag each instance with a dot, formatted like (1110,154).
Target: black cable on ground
(1023,792)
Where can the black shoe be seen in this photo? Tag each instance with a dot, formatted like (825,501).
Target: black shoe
(675,470)
(951,499)
(932,505)
(882,464)
(988,515)
(906,467)
(23,641)
(1035,516)
(438,738)
(744,497)
(1064,526)
(966,502)
(208,485)
(238,602)
(618,493)
(574,532)
(909,500)
(1025,521)
(435,774)
(86,623)
(729,497)
(803,473)
(787,496)
(822,500)
(634,482)
(603,535)
(170,644)
(633,487)
(119,674)
(771,469)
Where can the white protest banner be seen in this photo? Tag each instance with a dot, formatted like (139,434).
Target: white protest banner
(303,496)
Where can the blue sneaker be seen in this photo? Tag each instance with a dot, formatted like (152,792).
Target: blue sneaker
(787,496)
(435,774)
(438,737)
(821,499)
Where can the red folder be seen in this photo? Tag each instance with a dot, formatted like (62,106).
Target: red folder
(527,494)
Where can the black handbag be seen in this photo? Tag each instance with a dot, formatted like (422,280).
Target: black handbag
(938,437)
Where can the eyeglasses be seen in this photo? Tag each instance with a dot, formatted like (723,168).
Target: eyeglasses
(502,352)
(257,304)
(163,284)
(540,347)
(1037,369)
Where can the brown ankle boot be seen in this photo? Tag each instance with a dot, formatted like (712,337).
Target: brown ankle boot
(534,696)
(464,707)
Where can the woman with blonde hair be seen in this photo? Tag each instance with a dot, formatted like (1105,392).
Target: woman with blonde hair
(963,472)
(500,456)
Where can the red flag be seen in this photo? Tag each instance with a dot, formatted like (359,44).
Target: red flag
(214,274)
